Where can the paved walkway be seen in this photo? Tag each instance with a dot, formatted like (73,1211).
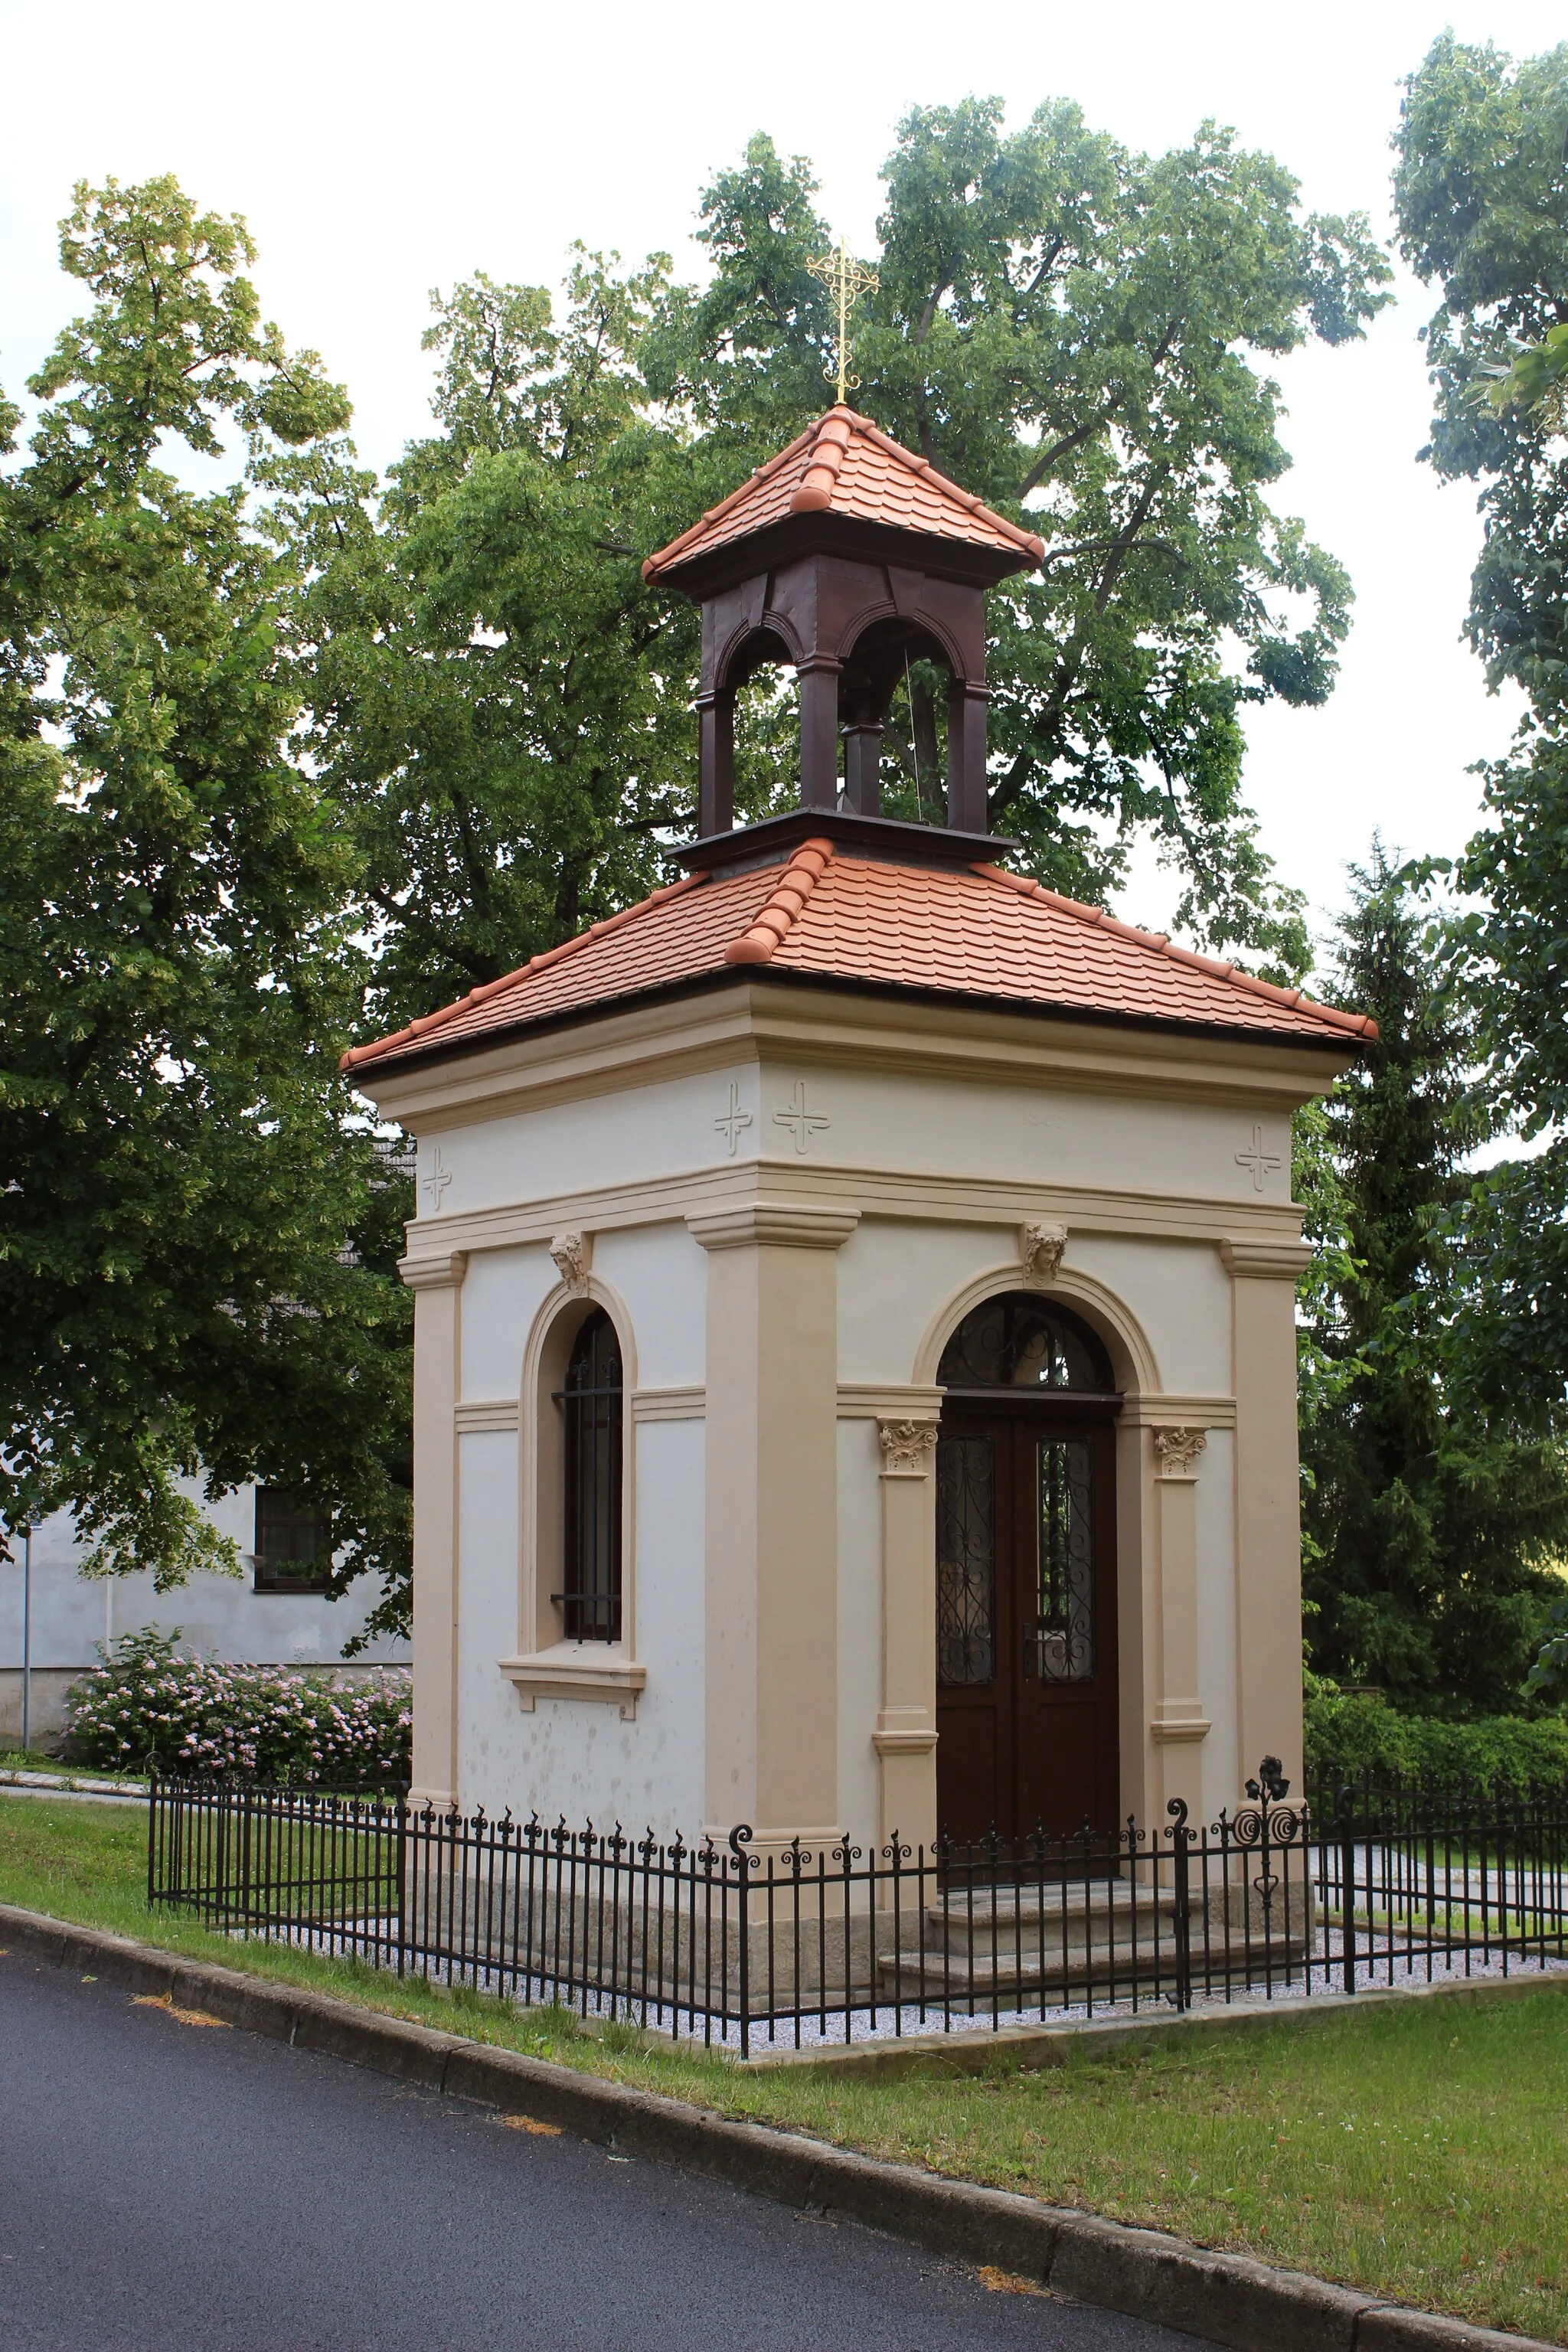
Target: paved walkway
(175,2187)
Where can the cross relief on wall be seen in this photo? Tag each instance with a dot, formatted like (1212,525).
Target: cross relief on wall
(733,1121)
(803,1122)
(436,1181)
(1261,1163)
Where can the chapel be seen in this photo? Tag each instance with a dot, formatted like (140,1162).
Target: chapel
(855,1357)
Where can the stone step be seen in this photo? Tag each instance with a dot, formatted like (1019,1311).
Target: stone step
(1069,1917)
(1107,1971)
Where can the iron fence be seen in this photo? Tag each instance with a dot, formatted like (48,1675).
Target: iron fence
(742,1944)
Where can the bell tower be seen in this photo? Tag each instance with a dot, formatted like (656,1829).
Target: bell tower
(846,557)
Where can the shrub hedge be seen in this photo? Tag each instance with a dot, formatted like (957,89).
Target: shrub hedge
(1347,1736)
(152,1701)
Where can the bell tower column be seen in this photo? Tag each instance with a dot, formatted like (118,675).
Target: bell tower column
(966,808)
(820,734)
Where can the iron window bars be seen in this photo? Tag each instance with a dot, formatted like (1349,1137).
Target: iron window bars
(592,1400)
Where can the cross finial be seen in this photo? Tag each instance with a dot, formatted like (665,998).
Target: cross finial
(846,280)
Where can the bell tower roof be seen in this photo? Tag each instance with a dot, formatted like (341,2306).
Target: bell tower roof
(846,467)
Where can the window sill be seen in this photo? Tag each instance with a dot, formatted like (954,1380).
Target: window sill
(572,1670)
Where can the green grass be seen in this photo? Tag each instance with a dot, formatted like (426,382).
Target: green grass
(38,1760)
(1419,2150)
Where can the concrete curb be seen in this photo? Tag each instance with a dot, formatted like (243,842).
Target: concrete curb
(1231,2299)
(1010,2046)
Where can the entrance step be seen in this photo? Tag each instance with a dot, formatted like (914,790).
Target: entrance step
(1078,1916)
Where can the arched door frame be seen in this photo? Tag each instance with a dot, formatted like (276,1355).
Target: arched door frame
(906,1734)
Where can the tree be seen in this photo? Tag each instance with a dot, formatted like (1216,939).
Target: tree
(1066,327)
(1482,196)
(197,1236)
(501,709)
(498,705)
(1430,1517)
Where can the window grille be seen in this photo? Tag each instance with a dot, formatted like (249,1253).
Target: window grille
(1021,1341)
(592,1400)
(293,1546)
(1063,1631)
(965,1562)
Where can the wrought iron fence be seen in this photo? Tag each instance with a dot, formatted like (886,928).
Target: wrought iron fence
(1350,1887)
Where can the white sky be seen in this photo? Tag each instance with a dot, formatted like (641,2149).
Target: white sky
(377,151)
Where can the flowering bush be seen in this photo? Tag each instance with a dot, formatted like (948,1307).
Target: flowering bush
(150,1701)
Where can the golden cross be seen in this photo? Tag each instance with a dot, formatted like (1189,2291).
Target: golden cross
(846,280)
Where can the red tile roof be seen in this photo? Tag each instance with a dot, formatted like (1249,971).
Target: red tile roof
(966,931)
(845,465)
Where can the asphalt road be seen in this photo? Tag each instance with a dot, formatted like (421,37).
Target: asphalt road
(179,2187)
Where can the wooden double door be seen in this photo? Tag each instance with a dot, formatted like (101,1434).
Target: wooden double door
(1027,1652)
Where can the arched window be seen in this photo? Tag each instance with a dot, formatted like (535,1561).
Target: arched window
(1024,1342)
(591,1551)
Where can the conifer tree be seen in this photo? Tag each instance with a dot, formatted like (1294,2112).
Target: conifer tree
(1431,1513)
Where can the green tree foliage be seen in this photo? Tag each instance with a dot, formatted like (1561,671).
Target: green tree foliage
(498,706)
(295,759)
(1069,329)
(502,708)
(195,1245)
(1482,196)
(1431,1516)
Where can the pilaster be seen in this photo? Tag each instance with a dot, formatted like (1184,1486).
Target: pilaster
(905,1737)
(436,1283)
(1267,1501)
(772,1545)
(1178,1724)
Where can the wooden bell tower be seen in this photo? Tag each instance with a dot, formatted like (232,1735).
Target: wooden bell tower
(846,558)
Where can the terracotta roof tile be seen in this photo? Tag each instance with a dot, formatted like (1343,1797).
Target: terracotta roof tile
(972,931)
(845,465)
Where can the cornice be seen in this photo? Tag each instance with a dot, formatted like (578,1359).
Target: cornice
(1259,1257)
(670,1404)
(776,1224)
(1163,1411)
(478,1414)
(432,1269)
(739,1018)
(877,1401)
(869,1192)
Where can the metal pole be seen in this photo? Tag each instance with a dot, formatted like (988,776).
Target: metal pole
(27,1637)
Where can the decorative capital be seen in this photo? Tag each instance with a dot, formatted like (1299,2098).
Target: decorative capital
(1178,1450)
(908,1447)
(572,1252)
(1040,1248)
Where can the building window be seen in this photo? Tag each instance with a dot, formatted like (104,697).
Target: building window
(590,1604)
(293,1550)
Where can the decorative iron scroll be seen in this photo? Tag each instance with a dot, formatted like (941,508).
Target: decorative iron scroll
(965,1562)
(1021,1341)
(1062,1636)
